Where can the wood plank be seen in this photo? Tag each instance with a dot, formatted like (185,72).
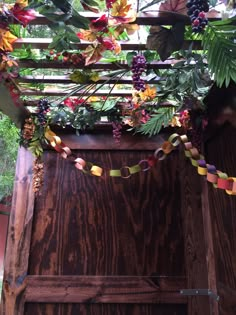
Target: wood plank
(105,309)
(210,253)
(143,18)
(60,92)
(42,43)
(65,79)
(45,64)
(220,151)
(19,236)
(98,289)
(194,239)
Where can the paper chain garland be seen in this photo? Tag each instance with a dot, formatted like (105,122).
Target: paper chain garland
(217,178)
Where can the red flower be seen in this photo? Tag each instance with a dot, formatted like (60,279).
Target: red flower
(23,16)
(107,42)
(99,24)
(73,102)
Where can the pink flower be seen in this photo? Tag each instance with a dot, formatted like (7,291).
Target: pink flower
(23,16)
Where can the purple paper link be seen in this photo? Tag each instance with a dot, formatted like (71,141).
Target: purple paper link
(211,168)
(201,163)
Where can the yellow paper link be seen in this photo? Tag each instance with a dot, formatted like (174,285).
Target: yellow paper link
(96,170)
(174,139)
(232,191)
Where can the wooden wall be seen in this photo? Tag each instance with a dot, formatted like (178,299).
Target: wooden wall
(100,246)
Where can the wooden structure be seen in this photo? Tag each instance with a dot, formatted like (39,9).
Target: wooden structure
(104,246)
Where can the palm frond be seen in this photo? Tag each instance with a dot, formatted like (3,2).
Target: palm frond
(219,42)
(157,121)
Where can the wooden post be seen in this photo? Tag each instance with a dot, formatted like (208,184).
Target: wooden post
(199,253)
(19,236)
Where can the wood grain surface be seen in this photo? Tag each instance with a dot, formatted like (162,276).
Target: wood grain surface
(97,289)
(86,225)
(223,213)
(105,309)
(194,237)
(19,237)
(103,228)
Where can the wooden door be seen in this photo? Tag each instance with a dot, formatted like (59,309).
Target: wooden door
(101,246)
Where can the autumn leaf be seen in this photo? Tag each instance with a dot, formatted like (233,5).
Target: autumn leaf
(129,28)
(87,35)
(119,20)
(174,6)
(165,41)
(6,40)
(149,94)
(93,53)
(120,8)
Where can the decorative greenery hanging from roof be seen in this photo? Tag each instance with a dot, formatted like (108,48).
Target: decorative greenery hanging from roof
(158,97)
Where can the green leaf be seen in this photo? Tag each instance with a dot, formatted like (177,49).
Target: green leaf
(157,121)
(129,57)
(218,41)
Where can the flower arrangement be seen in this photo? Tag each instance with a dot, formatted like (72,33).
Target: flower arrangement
(152,103)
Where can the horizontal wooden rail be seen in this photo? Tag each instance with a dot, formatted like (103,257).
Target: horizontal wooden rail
(98,289)
(64,79)
(148,18)
(46,64)
(42,43)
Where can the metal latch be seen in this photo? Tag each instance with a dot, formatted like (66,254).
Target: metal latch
(195,292)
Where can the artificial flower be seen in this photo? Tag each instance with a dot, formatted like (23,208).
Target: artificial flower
(100,24)
(23,16)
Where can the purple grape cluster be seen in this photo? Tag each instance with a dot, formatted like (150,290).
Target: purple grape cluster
(196,12)
(116,131)
(42,110)
(139,65)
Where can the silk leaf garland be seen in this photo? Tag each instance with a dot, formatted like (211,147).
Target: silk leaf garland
(157,121)
(219,43)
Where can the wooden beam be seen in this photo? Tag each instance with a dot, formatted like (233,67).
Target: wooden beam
(64,79)
(143,18)
(19,237)
(45,64)
(104,289)
(42,43)
(196,252)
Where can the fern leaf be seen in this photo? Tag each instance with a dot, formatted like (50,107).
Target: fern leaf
(156,122)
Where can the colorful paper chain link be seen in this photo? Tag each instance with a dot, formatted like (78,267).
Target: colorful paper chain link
(217,178)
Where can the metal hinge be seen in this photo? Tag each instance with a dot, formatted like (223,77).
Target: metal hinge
(196,292)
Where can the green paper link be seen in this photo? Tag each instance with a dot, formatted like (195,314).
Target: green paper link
(134,169)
